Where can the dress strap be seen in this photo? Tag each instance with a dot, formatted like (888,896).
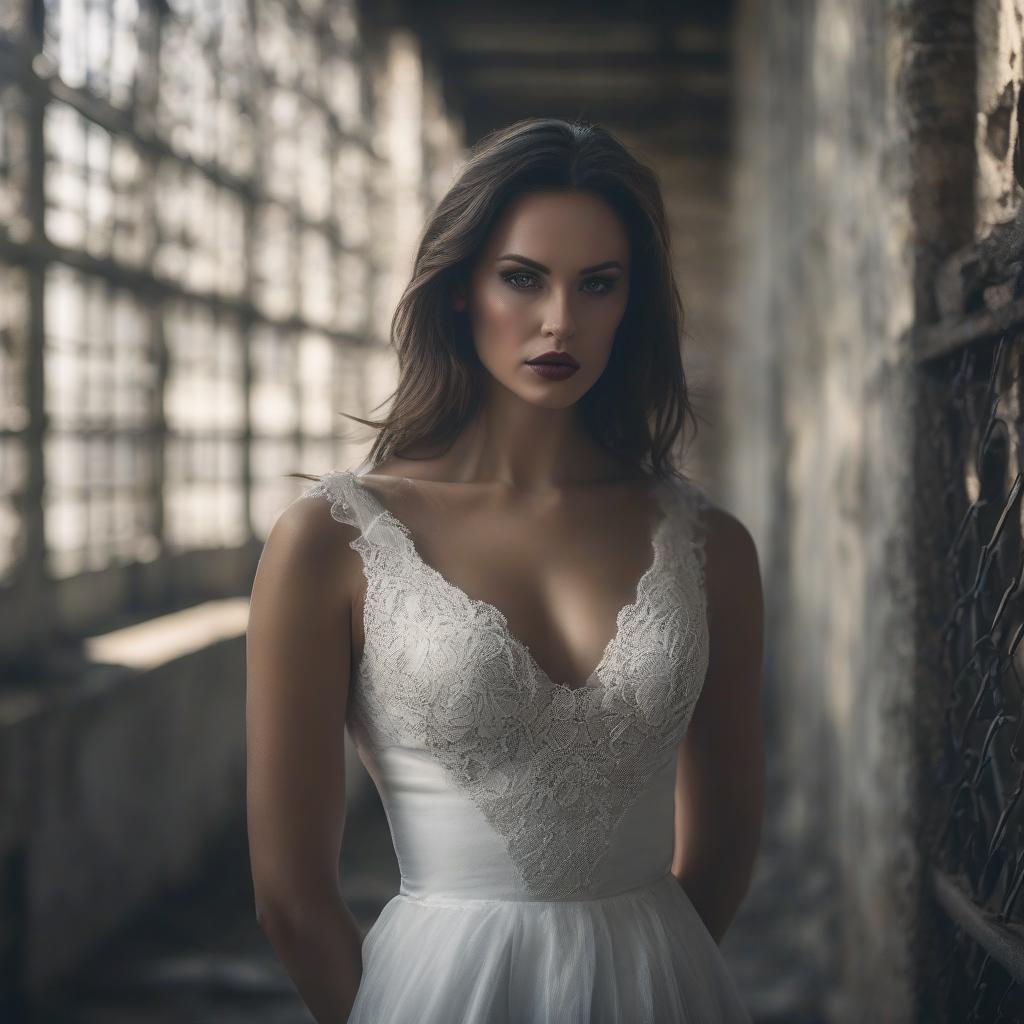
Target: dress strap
(355,505)
(694,504)
(686,539)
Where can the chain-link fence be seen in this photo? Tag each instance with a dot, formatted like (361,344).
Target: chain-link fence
(975,427)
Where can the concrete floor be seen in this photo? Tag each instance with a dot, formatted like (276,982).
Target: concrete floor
(200,958)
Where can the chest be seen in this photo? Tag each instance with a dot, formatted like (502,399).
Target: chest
(559,572)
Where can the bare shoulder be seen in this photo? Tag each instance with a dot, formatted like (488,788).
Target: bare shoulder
(314,546)
(732,568)
(308,523)
(728,543)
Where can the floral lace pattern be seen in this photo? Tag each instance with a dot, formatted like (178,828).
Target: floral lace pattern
(553,768)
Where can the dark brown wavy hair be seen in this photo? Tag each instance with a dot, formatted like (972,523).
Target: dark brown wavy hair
(637,407)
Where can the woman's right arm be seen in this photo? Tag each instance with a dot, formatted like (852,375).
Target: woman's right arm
(298,661)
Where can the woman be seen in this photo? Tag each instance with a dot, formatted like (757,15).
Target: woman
(545,641)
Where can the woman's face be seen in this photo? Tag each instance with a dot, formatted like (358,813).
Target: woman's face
(553,276)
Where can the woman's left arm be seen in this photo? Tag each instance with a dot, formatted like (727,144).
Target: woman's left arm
(719,799)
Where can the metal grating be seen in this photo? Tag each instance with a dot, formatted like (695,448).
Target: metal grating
(977,874)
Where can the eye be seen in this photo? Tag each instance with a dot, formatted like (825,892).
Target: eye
(606,283)
(510,278)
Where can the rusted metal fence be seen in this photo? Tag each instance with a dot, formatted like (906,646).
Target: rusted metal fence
(973,423)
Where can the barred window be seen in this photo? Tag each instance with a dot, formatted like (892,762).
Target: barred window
(198,221)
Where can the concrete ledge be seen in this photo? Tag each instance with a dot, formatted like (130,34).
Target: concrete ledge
(118,779)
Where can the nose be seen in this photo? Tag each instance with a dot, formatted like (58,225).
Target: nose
(558,320)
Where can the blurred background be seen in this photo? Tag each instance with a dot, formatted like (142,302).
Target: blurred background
(208,209)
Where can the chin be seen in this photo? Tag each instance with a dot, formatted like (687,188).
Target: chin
(562,395)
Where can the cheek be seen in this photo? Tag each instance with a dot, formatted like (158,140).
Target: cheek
(599,320)
(606,314)
(498,317)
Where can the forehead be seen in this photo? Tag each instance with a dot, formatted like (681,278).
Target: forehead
(560,228)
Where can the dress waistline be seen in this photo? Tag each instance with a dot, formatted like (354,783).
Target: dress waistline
(444,900)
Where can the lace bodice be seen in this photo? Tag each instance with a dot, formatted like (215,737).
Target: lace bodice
(552,769)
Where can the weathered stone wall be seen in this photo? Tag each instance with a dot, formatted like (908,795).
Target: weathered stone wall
(999,28)
(853,180)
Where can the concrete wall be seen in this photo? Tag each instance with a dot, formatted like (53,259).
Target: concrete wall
(853,180)
(115,781)
(999,29)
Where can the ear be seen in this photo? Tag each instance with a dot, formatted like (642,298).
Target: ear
(459,299)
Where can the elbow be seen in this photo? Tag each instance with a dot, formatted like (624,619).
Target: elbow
(264,912)
(272,913)
(280,913)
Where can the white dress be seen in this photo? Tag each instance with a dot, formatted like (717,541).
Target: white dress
(532,821)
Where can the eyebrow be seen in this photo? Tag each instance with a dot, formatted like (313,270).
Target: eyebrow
(547,270)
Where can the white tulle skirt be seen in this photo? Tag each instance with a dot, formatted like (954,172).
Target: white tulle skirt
(642,956)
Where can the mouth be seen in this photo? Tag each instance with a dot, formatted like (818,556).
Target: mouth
(554,359)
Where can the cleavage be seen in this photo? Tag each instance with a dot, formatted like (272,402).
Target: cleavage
(559,571)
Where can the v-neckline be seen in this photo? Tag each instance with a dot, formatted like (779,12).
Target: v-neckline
(659,495)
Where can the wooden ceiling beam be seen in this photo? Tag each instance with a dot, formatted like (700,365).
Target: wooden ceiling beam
(567,38)
(711,62)
(657,68)
(676,127)
(636,83)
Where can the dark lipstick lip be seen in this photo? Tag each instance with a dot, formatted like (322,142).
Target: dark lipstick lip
(555,358)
